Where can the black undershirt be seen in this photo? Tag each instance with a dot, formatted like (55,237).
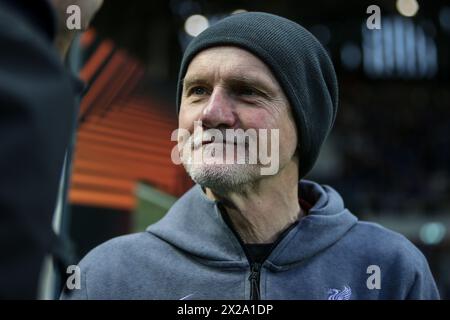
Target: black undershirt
(258,251)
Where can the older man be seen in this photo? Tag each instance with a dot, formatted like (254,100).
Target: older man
(239,234)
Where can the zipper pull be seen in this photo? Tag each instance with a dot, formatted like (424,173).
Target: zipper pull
(255,269)
(254,281)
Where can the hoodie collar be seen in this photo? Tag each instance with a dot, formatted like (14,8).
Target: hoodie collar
(195,225)
(326,223)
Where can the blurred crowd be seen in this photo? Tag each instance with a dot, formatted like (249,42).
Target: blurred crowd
(393,142)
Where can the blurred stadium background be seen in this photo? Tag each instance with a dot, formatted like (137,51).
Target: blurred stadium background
(388,155)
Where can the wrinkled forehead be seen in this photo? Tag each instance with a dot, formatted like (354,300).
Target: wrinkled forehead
(228,61)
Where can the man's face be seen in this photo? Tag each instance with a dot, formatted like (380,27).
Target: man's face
(230,88)
(88,10)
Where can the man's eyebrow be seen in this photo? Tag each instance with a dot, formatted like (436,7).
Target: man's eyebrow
(251,81)
(233,80)
(188,82)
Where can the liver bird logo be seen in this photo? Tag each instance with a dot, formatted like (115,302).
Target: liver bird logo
(336,294)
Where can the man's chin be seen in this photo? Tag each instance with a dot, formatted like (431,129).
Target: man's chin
(223,177)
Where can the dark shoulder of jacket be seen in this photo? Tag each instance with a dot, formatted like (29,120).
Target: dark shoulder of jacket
(39,14)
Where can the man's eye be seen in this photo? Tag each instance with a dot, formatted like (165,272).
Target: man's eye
(197,91)
(247,92)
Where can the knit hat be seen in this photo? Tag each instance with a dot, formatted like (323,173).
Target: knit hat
(299,63)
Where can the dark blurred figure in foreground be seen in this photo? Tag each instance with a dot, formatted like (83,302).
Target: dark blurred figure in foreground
(37,109)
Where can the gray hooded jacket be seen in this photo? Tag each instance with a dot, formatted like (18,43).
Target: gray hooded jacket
(193,254)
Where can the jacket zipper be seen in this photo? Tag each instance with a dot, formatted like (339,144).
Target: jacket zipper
(255,272)
(255,267)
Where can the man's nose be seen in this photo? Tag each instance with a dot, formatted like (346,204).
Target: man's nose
(219,111)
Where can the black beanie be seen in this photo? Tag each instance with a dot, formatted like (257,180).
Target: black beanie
(299,63)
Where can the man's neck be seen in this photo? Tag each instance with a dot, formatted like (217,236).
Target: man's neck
(264,210)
